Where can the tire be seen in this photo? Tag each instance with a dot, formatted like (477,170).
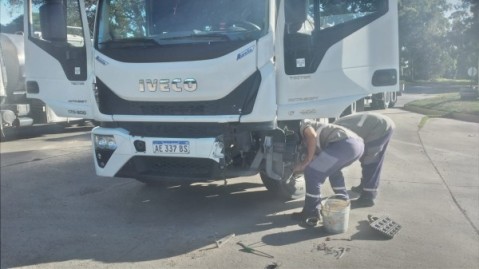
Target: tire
(331,120)
(355,107)
(80,123)
(381,100)
(360,105)
(393,100)
(95,123)
(289,189)
(351,109)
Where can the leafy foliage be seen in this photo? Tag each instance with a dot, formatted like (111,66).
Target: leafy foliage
(16,25)
(422,31)
(434,45)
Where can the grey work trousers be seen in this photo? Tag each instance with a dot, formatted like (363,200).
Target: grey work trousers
(328,162)
(372,163)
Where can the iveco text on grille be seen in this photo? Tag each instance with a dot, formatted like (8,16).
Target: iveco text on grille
(164,85)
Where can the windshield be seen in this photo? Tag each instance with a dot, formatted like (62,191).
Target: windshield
(167,22)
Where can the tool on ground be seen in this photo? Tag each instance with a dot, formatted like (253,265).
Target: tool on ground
(223,240)
(272,266)
(251,250)
(339,239)
(338,253)
(342,252)
(384,225)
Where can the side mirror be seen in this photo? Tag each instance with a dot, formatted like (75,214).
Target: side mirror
(53,21)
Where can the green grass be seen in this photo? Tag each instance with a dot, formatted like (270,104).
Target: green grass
(450,81)
(442,82)
(423,122)
(448,103)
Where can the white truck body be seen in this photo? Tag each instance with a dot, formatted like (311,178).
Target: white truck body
(197,90)
(16,110)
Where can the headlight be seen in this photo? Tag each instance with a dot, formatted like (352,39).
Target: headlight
(105,142)
(105,145)
(111,145)
(102,143)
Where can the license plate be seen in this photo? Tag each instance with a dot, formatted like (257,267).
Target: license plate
(171,147)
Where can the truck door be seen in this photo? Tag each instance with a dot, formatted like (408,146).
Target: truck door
(332,53)
(57,56)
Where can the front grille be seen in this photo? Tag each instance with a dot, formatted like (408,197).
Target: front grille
(170,168)
(174,109)
(239,102)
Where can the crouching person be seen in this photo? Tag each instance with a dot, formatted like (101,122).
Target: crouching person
(376,131)
(330,148)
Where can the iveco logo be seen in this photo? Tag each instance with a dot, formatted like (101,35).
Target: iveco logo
(166,85)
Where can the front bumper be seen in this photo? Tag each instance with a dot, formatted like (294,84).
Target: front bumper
(203,161)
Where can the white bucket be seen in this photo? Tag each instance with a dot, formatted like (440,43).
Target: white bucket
(335,213)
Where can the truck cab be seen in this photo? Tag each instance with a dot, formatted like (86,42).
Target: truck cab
(197,90)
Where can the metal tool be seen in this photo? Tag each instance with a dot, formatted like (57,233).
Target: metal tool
(342,252)
(254,251)
(339,239)
(338,253)
(223,240)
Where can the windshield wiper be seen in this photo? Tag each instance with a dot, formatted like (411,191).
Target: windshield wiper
(200,36)
(129,42)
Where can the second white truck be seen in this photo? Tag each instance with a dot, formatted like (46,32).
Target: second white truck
(17,111)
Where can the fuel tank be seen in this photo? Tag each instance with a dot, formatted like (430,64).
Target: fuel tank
(12,64)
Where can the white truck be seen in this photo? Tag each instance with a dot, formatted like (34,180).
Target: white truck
(16,110)
(198,90)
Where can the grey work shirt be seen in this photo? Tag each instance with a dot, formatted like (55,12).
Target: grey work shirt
(327,133)
(369,126)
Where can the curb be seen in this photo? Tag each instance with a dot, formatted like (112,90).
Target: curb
(442,114)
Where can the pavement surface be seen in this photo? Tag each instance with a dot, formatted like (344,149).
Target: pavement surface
(430,185)
(56,213)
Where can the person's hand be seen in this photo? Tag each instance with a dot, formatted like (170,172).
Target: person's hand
(299,168)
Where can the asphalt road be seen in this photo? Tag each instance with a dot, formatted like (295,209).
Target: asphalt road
(56,213)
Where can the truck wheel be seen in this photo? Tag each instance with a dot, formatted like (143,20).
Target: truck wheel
(360,105)
(289,189)
(351,109)
(381,100)
(393,99)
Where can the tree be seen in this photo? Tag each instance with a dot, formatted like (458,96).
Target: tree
(90,6)
(422,33)
(472,34)
(15,26)
(463,39)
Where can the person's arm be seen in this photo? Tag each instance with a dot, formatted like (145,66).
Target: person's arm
(309,135)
